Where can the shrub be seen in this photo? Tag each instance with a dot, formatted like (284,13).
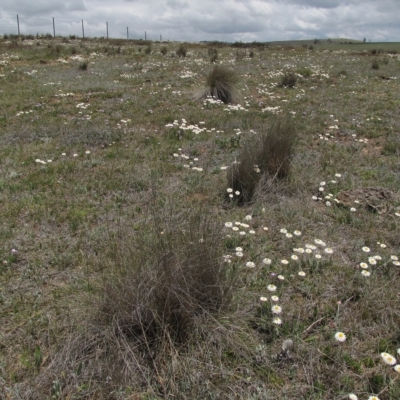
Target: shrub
(181,51)
(251,54)
(288,80)
(375,65)
(164,50)
(267,155)
(220,82)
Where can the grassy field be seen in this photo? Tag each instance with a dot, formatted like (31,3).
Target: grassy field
(130,268)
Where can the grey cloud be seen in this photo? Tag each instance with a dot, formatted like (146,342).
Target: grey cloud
(37,7)
(228,20)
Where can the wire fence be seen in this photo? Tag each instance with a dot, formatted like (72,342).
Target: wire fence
(78,28)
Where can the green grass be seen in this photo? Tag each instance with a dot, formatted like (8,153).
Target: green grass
(137,165)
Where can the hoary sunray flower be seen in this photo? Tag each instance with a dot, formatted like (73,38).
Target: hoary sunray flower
(228,224)
(285,262)
(265,228)
(277,321)
(364,265)
(397,368)
(239,249)
(235,228)
(250,264)
(320,242)
(388,358)
(352,209)
(289,235)
(274,298)
(302,273)
(294,257)
(271,288)
(266,261)
(318,256)
(263,299)
(297,233)
(365,273)
(248,217)
(373,398)
(352,396)
(276,309)
(328,250)
(340,336)
(366,249)
(283,230)
(281,277)
(371,261)
(310,246)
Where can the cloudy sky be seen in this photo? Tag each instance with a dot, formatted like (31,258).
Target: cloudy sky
(191,20)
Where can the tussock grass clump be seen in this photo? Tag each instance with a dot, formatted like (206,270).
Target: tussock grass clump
(288,80)
(265,155)
(83,66)
(221,82)
(169,283)
(213,54)
(164,50)
(172,277)
(148,50)
(277,148)
(375,65)
(243,176)
(181,51)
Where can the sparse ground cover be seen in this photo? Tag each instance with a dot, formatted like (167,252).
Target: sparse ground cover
(129,267)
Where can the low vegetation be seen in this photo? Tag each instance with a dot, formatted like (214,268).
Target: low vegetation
(238,244)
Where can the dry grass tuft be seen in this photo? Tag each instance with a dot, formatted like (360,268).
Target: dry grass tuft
(169,283)
(266,154)
(277,148)
(288,80)
(181,51)
(221,82)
